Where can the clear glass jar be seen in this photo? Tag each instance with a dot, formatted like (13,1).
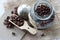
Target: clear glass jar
(38,18)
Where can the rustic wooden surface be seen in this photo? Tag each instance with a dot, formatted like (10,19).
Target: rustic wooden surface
(50,34)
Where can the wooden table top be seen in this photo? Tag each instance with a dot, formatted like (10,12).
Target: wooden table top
(49,34)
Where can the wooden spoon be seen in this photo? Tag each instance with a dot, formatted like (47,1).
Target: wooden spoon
(26,27)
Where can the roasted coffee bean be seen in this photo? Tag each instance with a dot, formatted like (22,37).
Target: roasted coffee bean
(16,8)
(13,33)
(5,20)
(16,11)
(18,22)
(10,26)
(44,22)
(19,18)
(43,35)
(12,18)
(7,26)
(42,6)
(14,21)
(21,24)
(14,15)
(12,12)
(8,17)
(38,6)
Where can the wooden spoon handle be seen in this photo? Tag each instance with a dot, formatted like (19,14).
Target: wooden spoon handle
(31,30)
(28,28)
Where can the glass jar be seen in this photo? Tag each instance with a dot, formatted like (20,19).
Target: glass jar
(38,19)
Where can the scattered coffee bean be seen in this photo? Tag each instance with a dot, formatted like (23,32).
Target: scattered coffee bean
(16,8)
(8,17)
(43,35)
(10,25)
(7,23)
(13,33)
(12,12)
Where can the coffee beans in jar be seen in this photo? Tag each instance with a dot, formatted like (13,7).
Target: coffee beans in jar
(45,22)
(42,10)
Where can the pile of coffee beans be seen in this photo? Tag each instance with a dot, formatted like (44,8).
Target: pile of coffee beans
(19,20)
(14,18)
(42,10)
(7,23)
